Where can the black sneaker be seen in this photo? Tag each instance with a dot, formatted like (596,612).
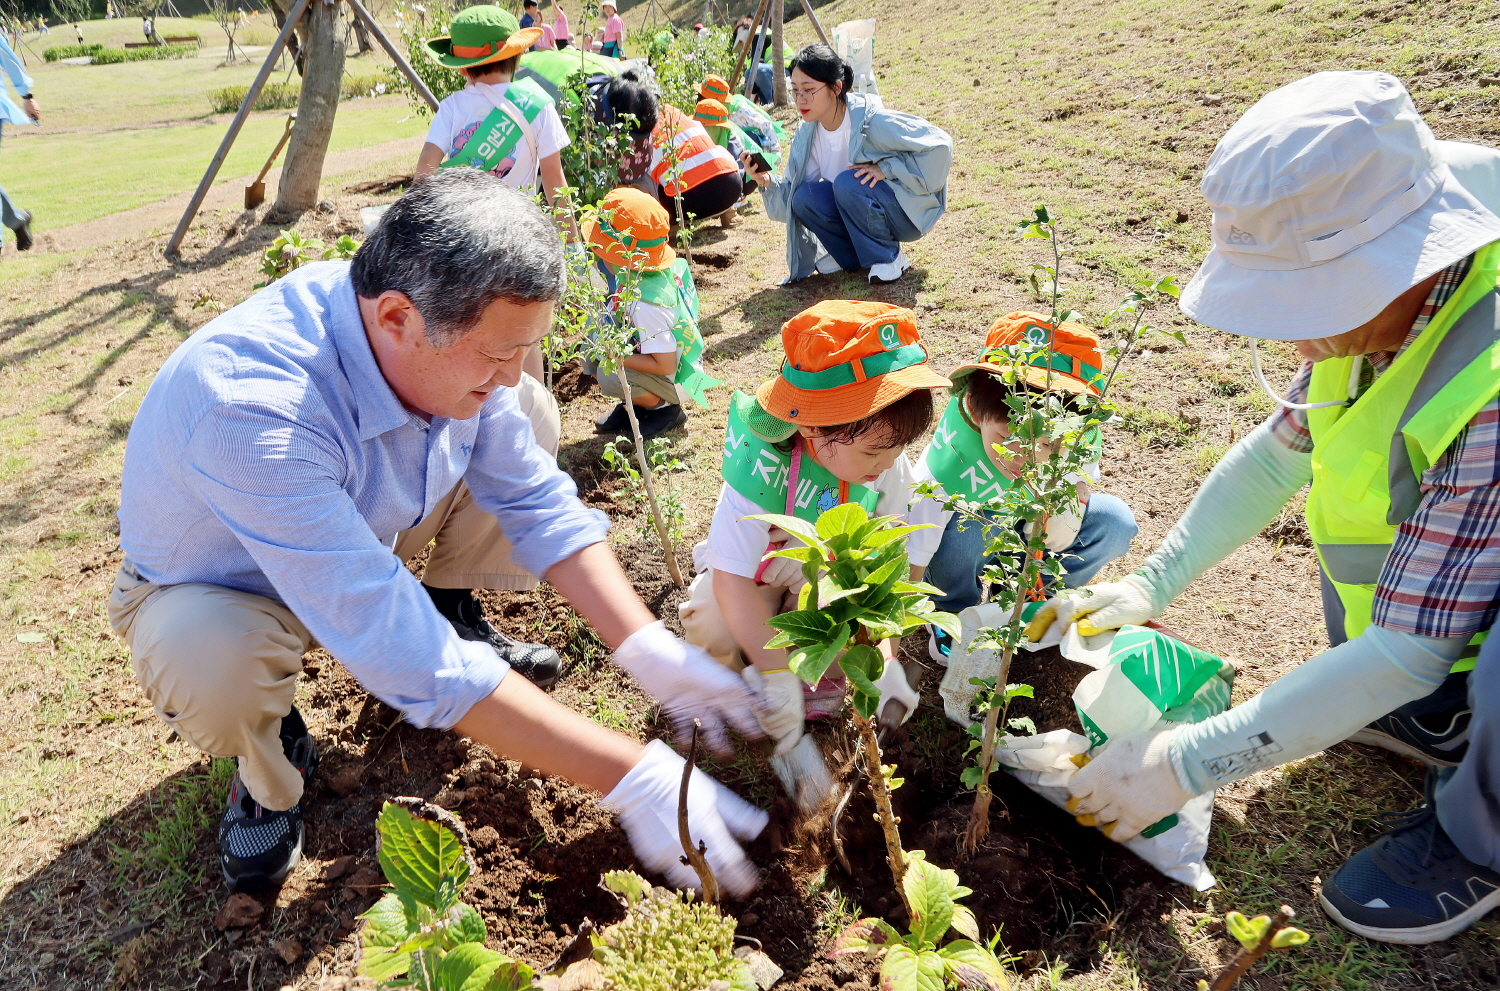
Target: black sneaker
(24,240)
(258,847)
(614,422)
(1412,885)
(1434,729)
(659,419)
(939,645)
(537,663)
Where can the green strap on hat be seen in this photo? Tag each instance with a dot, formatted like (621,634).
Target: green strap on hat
(627,240)
(845,374)
(1060,362)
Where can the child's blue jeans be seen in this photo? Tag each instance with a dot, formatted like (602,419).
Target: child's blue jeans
(957,567)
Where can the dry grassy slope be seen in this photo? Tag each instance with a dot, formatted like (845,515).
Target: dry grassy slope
(1092,109)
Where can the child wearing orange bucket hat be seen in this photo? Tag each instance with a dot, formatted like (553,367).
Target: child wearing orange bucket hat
(854,389)
(962,460)
(714,117)
(666,369)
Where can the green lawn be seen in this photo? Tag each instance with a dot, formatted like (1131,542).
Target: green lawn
(109,171)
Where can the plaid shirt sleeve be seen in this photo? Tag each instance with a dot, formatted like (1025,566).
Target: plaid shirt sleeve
(1442,578)
(1290,425)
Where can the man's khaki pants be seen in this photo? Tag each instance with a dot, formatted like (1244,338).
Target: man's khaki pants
(220,666)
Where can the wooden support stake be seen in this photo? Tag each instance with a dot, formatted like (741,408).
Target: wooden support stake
(396,56)
(234,129)
(739,65)
(807,8)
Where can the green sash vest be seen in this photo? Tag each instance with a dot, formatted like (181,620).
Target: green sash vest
(760,473)
(957,459)
(1368,456)
(673,288)
(499,132)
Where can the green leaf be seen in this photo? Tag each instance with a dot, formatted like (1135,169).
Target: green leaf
(467,925)
(905,969)
(627,884)
(964,921)
(1246,931)
(1289,937)
(468,966)
(829,593)
(881,628)
(871,936)
(31,638)
(1018,691)
(929,892)
(810,662)
(803,554)
(973,966)
(843,518)
(421,859)
(804,625)
(792,524)
(865,704)
(862,664)
(886,574)
(881,538)
(970,776)
(948,622)
(915,588)
(387,926)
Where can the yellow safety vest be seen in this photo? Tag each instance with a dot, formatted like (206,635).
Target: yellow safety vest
(1368,457)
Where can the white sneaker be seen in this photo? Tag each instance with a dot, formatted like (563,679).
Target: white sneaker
(826,265)
(890,271)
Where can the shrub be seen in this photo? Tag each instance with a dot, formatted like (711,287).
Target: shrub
(58,52)
(109,56)
(283,96)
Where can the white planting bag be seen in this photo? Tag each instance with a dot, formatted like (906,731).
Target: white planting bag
(855,43)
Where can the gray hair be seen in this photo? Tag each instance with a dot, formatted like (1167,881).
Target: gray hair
(455,243)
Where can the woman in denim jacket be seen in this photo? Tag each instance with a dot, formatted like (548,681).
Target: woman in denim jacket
(859,178)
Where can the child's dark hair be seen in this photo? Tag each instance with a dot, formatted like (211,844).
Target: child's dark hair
(896,425)
(986,394)
(822,63)
(628,93)
(504,65)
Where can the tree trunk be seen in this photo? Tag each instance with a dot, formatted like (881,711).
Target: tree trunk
(319,101)
(778,53)
(362,36)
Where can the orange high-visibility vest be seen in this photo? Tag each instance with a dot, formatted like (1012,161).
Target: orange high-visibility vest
(681,141)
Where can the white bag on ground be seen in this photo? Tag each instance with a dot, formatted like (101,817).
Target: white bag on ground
(1144,680)
(855,43)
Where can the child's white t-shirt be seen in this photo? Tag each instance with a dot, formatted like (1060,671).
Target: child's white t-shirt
(461,113)
(736,545)
(655,327)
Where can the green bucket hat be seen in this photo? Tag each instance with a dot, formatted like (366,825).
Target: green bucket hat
(482,34)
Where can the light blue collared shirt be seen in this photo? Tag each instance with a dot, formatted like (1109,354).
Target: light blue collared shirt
(10,110)
(270,455)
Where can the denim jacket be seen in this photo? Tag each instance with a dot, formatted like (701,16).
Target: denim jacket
(10,110)
(913,154)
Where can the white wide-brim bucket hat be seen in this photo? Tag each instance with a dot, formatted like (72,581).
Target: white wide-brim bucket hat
(1330,198)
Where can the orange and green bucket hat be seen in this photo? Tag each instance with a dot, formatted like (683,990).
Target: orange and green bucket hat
(711,112)
(714,87)
(480,35)
(845,359)
(632,231)
(1074,363)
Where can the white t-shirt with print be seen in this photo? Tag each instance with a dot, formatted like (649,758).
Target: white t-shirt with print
(655,327)
(830,151)
(736,545)
(459,115)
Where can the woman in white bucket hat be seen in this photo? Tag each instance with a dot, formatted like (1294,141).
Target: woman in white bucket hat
(1341,224)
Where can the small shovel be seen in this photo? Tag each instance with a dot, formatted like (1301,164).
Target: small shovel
(255,193)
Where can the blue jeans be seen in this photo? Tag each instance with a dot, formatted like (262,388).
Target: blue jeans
(9,215)
(957,567)
(1468,796)
(765,85)
(859,225)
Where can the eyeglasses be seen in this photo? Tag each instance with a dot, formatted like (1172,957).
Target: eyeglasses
(806,93)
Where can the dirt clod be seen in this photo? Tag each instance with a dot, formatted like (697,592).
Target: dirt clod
(289,950)
(346,781)
(239,912)
(338,868)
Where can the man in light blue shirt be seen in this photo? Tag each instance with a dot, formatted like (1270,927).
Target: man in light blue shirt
(28,112)
(352,409)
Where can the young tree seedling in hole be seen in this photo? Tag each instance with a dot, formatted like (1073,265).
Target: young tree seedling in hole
(583,314)
(694,857)
(1256,937)
(1050,444)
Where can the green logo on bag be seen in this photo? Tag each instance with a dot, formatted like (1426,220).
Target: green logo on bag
(890,335)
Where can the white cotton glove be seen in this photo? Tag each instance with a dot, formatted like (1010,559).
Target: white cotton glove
(1131,783)
(895,688)
(784,572)
(1062,531)
(646,802)
(1111,605)
(690,685)
(784,712)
